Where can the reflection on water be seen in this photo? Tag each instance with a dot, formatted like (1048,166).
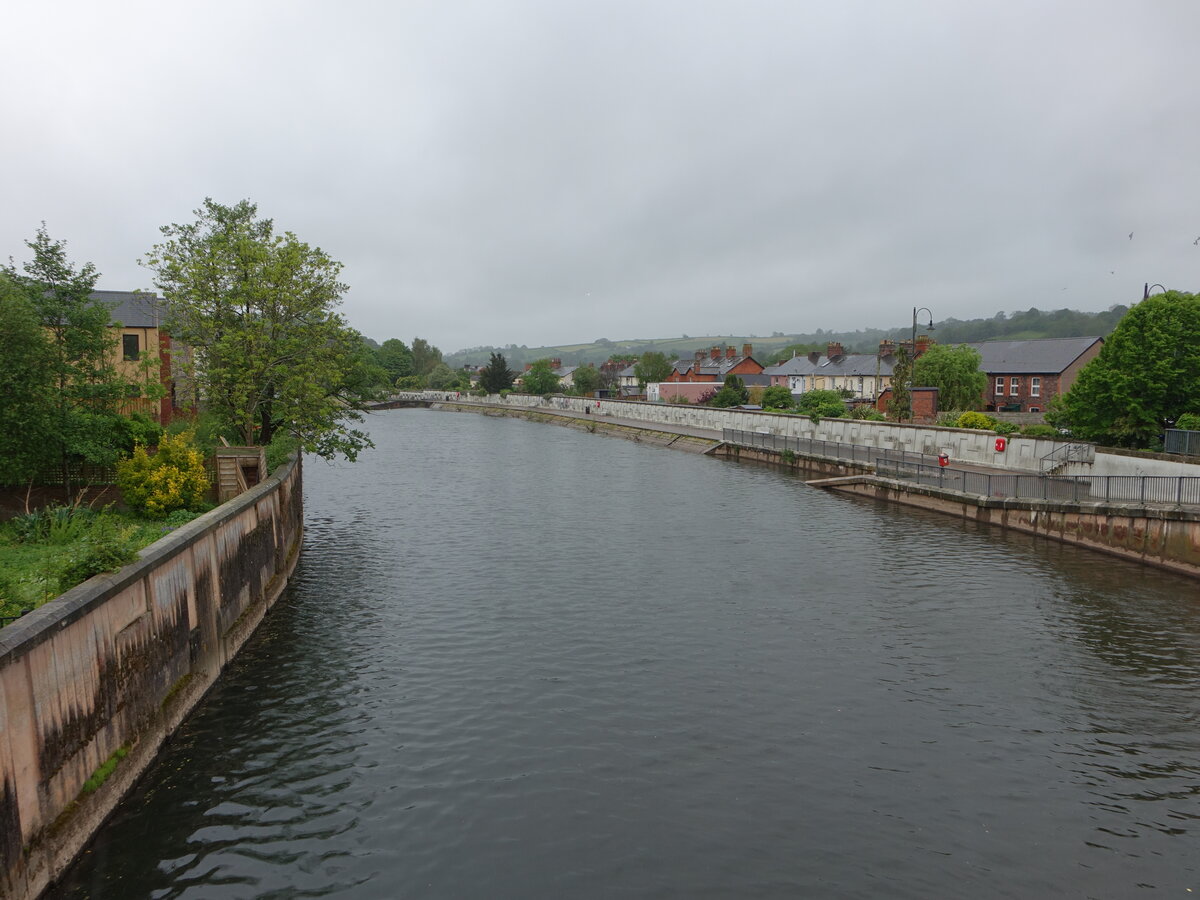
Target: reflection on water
(519,661)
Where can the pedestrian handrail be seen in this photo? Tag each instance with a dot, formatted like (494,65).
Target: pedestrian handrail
(1063,454)
(1180,440)
(838,450)
(1171,490)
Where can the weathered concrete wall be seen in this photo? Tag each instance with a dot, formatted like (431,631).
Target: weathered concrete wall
(115,664)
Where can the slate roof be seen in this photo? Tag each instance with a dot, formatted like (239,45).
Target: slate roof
(1042,355)
(846,364)
(133,309)
(706,366)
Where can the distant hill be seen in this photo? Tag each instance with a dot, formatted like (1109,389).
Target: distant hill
(1032,323)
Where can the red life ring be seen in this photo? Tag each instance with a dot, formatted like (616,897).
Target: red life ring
(1001,443)
(943,459)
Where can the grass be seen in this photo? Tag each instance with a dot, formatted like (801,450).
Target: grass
(33,572)
(101,774)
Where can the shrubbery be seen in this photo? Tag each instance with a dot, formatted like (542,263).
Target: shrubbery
(1189,421)
(1006,428)
(1040,431)
(173,478)
(972,419)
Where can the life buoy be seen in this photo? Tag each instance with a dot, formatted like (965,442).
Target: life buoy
(1001,443)
(943,459)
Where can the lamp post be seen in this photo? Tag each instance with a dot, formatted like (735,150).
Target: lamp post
(912,363)
(1146,290)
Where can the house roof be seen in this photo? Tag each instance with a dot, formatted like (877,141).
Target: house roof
(133,309)
(845,364)
(1047,355)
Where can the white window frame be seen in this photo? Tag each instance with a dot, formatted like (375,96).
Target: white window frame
(1035,386)
(999,385)
(1014,386)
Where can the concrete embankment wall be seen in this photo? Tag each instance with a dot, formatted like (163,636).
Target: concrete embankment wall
(104,673)
(1022,454)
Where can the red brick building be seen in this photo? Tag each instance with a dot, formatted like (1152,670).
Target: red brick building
(715,364)
(1023,376)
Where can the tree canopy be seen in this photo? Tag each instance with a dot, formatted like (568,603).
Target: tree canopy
(651,367)
(496,376)
(732,393)
(954,371)
(1146,375)
(540,379)
(586,379)
(257,308)
(396,359)
(821,404)
(26,384)
(777,396)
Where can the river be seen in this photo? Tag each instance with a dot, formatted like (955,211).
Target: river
(524,661)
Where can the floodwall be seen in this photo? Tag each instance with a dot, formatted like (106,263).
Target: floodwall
(93,682)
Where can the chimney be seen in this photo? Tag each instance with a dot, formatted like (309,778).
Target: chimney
(556,363)
(699,355)
(923,343)
(814,356)
(887,347)
(747,350)
(730,353)
(716,353)
(834,349)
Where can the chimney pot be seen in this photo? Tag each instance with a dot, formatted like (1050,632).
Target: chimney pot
(747,350)
(730,353)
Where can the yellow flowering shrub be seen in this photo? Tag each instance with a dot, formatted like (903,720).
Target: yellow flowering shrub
(173,478)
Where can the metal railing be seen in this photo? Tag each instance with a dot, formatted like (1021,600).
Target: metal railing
(1063,454)
(1177,440)
(811,447)
(1158,489)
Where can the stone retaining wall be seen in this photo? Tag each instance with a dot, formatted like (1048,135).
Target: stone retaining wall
(104,673)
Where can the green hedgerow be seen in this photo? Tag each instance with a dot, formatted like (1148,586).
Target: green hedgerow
(173,478)
(972,419)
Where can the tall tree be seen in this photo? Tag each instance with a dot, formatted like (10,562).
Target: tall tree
(85,385)
(496,375)
(586,379)
(26,386)
(258,309)
(732,393)
(652,367)
(425,356)
(396,359)
(900,404)
(540,378)
(1146,374)
(954,371)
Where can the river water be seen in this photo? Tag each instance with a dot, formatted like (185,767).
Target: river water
(524,661)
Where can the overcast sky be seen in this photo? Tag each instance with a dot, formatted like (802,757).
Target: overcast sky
(550,171)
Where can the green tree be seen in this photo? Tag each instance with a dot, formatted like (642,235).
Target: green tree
(26,386)
(269,351)
(732,393)
(777,396)
(425,356)
(1146,374)
(650,368)
(396,359)
(496,376)
(586,379)
(900,404)
(444,378)
(85,386)
(954,371)
(821,404)
(540,379)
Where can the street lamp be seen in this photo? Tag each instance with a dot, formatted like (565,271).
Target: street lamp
(1146,290)
(912,382)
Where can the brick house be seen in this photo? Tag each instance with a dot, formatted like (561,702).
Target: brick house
(1023,376)
(715,364)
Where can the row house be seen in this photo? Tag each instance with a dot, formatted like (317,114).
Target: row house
(864,375)
(716,364)
(1023,376)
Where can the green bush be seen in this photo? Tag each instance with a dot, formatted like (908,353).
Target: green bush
(868,413)
(821,405)
(107,547)
(1189,421)
(1006,427)
(56,525)
(174,478)
(972,419)
(777,396)
(280,450)
(1048,431)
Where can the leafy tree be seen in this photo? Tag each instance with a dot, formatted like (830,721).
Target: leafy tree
(777,396)
(26,385)
(587,379)
(270,353)
(410,383)
(84,385)
(540,379)
(954,371)
(651,367)
(821,404)
(1146,374)
(732,393)
(1189,421)
(444,378)
(425,356)
(496,376)
(396,359)
(900,404)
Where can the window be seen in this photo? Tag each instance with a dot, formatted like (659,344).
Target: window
(1035,386)
(1035,409)
(129,344)
(999,384)
(1014,386)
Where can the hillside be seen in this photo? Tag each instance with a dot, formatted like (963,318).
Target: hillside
(1032,323)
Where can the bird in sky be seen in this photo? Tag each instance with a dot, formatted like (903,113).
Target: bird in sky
(1131,235)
